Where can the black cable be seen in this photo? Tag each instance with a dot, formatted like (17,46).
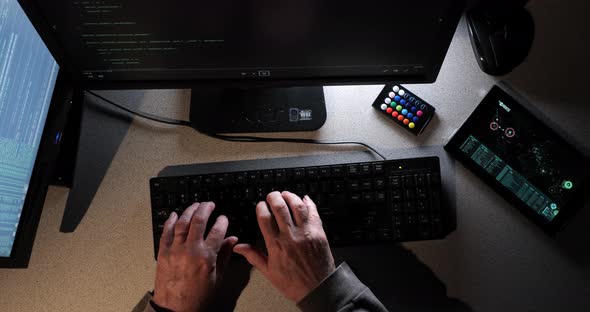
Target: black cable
(144,115)
(233,138)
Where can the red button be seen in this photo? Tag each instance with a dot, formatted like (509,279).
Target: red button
(400,117)
(420,113)
(406,121)
(395,114)
(389,110)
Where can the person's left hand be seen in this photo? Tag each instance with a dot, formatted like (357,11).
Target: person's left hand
(190,266)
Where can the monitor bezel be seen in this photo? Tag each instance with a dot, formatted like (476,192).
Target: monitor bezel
(59,107)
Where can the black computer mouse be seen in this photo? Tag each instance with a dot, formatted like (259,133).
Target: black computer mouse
(501,38)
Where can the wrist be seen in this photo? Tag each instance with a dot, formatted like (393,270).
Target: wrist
(158,308)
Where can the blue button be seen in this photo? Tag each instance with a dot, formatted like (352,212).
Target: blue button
(408,105)
(404,112)
(403,102)
(397,98)
(410,115)
(414,109)
(416,119)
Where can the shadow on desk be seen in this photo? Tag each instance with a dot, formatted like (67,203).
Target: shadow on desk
(393,274)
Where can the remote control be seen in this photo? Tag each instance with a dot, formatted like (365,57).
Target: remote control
(404,108)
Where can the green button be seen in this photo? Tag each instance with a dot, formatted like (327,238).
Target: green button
(568,185)
(393,103)
(399,108)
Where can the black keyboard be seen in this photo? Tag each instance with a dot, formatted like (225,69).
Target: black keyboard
(359,203)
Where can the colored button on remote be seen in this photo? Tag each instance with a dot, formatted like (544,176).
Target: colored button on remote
(404,108)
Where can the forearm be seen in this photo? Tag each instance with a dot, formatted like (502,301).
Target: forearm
(342,291)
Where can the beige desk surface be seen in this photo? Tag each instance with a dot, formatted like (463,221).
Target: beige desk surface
(107,263)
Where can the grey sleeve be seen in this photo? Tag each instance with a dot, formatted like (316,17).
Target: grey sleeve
(342,291)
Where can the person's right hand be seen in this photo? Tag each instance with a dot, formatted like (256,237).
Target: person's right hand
(299,257)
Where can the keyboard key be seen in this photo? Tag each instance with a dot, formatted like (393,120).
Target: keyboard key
(420,179)
(324,172)
(367,197)
(384,235)
(338,171)
(396,182)
(366,170)
(378,169)
(433,179)
(354,186)
(312,173)
(409,181)
(396,195)
(366,185)
(422,206)
(299,174)
(241,178)
(409,194)
(353,170)
(379,184)
(280,176)
(225,179)
(396,208)
(254,177)
(266,176)
(314,188)
(380,197)
(338,187)
(421,193)
(410,207)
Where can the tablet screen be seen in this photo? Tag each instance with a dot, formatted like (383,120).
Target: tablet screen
(521,155)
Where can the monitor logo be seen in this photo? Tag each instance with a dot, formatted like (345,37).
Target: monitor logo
(296,114)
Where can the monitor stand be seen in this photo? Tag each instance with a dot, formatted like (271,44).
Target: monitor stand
(218,110)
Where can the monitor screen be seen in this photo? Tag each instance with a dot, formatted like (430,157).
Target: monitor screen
(140,40)
(27,78)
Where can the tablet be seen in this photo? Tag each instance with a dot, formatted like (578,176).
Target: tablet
(528,162)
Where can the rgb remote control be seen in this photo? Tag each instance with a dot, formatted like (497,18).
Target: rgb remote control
(404,108)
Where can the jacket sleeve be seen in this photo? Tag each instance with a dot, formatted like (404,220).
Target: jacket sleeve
(342,291)
(144,304)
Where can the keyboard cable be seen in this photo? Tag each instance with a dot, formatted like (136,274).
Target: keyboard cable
(232,138)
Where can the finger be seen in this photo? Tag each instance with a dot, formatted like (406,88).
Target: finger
(199,221)
(314,216)
(168,232)
(255,257)
(217,233)
(298,208)
(280,211)
(183,224)
(225,254)
(268,225)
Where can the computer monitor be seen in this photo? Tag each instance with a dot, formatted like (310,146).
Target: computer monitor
(242,58)
(32,109)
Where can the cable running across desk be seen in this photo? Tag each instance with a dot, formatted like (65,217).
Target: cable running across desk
(232,138)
